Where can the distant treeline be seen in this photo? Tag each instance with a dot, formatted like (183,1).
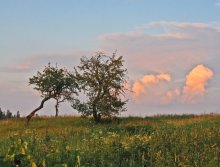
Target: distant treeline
(8,114)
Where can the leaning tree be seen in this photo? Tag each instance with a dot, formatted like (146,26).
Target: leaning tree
(102,80)
(53,83)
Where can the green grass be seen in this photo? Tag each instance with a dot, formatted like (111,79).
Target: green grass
(171,140)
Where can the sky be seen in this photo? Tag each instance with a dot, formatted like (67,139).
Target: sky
(171,50)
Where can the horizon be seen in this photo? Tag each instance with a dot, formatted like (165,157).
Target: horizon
(171,50)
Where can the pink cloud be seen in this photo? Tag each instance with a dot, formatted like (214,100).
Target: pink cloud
(177,48)
(177,24)
(196,82)
(173,47)
(171,96)
(23,66)
(17,68)
(116,35)
(174,36)
(194,87)
(142,85)
(155,89)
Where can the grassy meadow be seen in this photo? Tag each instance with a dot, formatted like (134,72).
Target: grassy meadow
(185,140)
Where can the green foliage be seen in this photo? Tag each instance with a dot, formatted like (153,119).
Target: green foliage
(18,155)
(54,82)
(102,79)
(74,142)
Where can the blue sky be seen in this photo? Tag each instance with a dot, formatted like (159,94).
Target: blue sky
(33,33)
(48,25)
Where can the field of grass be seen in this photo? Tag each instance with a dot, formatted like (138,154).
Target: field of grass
(126,142)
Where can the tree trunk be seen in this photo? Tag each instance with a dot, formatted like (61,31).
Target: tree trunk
(28,117)
(56,107)
(94,113)
(99,117)
(95,116)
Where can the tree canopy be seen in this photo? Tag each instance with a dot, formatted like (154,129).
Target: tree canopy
(102,79)
(53,83)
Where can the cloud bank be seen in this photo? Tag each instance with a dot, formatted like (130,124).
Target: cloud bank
(153,52)
(156,87)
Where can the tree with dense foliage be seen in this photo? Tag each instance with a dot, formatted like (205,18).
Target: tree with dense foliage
(103,80)
(53,83)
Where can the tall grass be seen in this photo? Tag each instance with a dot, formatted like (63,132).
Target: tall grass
(74,141)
